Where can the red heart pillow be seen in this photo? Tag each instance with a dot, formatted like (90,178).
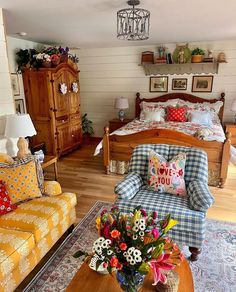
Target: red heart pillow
(5,201)
(176,114)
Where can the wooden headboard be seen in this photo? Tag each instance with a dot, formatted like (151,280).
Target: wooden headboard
(180,95)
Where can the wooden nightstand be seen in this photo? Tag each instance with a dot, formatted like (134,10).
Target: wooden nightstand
(116,124)
(231,127)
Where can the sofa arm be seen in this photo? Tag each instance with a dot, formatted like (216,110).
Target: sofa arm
(129,186)
(200,198)
(52,188)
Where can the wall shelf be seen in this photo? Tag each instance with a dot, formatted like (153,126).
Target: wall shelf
(186,68)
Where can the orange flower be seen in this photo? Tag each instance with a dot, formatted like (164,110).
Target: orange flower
(114,262)
(115,233)
(123,246)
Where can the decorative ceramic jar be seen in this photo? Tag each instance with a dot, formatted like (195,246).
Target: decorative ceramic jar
(196,58)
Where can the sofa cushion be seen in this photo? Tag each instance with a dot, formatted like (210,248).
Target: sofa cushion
(40,215)
(163,204)
(14,246)
(21,179)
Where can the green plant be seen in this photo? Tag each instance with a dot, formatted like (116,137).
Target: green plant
(198,51)
(87,125)
(22,59)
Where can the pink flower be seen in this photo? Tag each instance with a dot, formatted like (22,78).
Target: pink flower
(154,215)
(114,262)
(160,264)
(155,232)
(105,265)
(143,212)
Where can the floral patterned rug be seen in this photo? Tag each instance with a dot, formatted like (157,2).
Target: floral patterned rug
(215,271)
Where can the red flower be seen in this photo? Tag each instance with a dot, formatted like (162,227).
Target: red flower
(143,212)
(115,233)
(114,262)
(119,266)
(154,215)
(123,246)
(105,265)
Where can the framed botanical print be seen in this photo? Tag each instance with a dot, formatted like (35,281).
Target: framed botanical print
(202,83)
(15,84)
(179,83)
(158,84)
(19,105)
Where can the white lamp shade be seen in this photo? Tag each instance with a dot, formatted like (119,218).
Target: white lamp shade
(233,107)
(19,126)
(121,103)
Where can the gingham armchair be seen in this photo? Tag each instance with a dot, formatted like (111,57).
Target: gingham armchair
(190,211)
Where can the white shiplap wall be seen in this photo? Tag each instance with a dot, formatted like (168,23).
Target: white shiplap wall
(6,96)
(107,73)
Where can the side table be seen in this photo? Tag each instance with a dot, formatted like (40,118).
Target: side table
(116,124)
(49,160)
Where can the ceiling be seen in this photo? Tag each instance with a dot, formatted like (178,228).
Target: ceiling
(92,23)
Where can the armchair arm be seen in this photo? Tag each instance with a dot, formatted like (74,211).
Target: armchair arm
(200,198)
(129,186)
(52,188)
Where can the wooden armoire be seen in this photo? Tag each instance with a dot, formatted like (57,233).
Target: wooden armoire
(54,109)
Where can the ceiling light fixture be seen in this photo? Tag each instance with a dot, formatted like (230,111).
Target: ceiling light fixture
(133,23)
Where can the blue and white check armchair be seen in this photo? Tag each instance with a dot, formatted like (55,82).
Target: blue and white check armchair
(190,211)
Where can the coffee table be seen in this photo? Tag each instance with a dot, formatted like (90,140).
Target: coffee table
(87,280)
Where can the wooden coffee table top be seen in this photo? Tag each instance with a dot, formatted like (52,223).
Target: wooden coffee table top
(89,280)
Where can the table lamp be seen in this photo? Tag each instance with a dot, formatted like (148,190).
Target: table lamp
(121,103)
(233,109)
(20,126)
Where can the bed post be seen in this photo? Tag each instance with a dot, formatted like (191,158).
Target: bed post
(225,160)
(137,105)
(106,150)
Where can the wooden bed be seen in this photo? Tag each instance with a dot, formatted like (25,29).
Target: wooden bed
(120,148)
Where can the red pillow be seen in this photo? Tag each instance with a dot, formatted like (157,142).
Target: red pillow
(5,201)
(176,114)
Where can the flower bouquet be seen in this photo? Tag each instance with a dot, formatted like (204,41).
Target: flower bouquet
(132,244)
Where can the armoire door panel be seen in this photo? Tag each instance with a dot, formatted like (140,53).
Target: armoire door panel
(61,100)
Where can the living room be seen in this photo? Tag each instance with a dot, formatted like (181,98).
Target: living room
(108,76)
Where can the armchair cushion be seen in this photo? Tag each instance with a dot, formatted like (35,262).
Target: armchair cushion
(129,186)
(200,198)
(52,188)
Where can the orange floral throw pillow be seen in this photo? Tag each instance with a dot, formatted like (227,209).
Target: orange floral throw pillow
(5,201)
(167,177)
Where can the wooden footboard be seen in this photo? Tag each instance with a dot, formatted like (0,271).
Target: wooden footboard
(121,147)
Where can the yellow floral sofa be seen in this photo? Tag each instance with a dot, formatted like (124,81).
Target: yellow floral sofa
(29,232)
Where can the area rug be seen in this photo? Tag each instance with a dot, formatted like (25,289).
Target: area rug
(215,271)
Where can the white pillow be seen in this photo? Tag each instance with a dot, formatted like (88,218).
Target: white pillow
(153,116)
(202,118)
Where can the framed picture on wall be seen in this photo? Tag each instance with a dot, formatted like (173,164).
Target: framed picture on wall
(19,105)
(15,84)
(158,84)
(179,83)
(202,83)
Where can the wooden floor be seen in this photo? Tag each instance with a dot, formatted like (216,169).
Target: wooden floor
(82,173)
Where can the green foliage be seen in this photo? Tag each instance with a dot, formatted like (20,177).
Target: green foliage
(79,254)
(158,251)
(198,51)
(22,59)
(87,125)
(144,268)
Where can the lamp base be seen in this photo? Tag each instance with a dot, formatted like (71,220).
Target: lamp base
(23,147)
(121,115)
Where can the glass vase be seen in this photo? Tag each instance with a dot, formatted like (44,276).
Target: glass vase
(130,280)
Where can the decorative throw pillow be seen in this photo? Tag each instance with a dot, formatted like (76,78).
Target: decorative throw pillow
(176,114)
(164,176)
(5,201)
(155,116)
(21,179)
(202,118)
(5,158)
